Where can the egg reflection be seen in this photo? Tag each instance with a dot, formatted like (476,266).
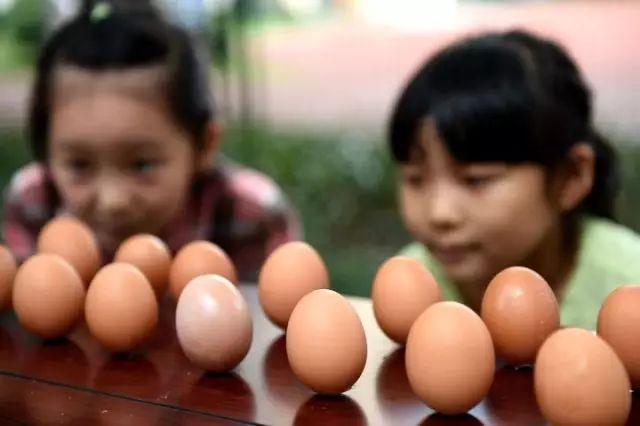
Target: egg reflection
(393,389)
(437,419)
(278,376)
(130,374)
(392,382)
(223,394)
(8,348)
(61,360)
(512,397)
(331,410)
(634,416)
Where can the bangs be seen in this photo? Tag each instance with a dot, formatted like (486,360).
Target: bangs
(487,126)
(116,42)
(481,95)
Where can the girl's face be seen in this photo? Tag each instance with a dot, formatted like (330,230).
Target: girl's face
(117,158)
(475,218)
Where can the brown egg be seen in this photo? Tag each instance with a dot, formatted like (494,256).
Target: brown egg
(326,344)
(402,289)
(151,256)
(580,380)
(619,325)
(449,358)
(8,269)
(48,296)
(520,311)
(121,308)
(213,323)
(291,271)
(199,258)
(74,241)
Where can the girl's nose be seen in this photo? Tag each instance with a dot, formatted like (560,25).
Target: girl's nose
(444,209)
(112,199)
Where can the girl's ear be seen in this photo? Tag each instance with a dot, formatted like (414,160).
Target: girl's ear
(578,178)
(212,138)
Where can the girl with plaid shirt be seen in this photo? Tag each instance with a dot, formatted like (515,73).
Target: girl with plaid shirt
(124,138)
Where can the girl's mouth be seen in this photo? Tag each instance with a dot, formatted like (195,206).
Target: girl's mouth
(451,254)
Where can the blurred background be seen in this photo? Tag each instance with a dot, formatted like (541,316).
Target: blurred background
(304,89)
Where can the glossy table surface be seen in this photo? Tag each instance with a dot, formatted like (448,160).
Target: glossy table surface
(75,381)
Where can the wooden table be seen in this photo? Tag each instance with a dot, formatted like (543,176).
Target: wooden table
(74,381)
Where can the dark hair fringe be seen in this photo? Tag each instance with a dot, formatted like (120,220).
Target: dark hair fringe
(133,34)
(509,97)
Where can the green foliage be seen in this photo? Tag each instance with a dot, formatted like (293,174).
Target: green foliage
(26,21)
(628,206)
(14,153)
(22,30)
(343,188)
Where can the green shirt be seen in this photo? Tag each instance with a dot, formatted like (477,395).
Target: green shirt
(608,256)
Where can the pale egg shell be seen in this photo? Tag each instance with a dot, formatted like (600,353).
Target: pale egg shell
(48,296)
(8,269)
(151,256)
(121,309)
(74,241)
(213,323)
(402,289)
(449,358)
(580,380)
(326,344)
(293,270)
(619,325)
(199,258)
(520,311)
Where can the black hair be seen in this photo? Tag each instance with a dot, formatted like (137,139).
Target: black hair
(509,97)
(119,35)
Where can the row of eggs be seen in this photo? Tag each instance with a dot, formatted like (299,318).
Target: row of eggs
(579,377)
(450,350)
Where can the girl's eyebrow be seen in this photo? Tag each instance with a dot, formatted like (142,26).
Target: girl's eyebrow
(498,166)
(132,143)
(72,145)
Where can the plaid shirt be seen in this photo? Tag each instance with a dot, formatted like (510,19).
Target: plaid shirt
(241,210)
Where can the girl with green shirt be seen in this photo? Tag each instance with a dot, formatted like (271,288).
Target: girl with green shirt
(500,165)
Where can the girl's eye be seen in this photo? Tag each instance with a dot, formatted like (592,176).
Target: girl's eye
(143,165)
(478,180)
(78,165)
(413,179)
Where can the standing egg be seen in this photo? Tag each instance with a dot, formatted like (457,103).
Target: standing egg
(619,325)
(8,269)
(48,296)
(213,323)
(74,241)
(293,270)
(449,358)
(580,380)
(121,308)
(520,311)
(151,256)
(326,344)
(199,258)
(402,289)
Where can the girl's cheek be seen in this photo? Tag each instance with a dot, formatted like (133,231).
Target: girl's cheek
(411,213)
(75,196)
